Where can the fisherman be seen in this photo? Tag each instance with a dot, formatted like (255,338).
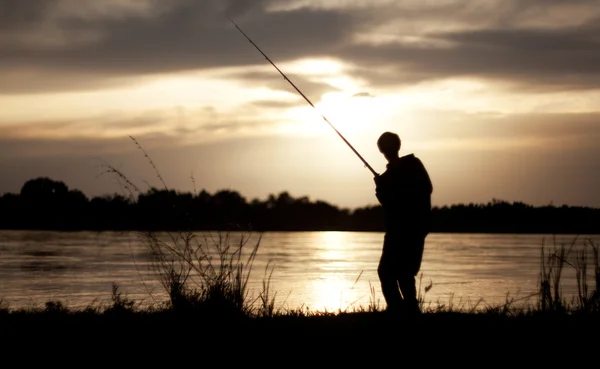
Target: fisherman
(404,192)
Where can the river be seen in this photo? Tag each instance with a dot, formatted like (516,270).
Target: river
(312,270)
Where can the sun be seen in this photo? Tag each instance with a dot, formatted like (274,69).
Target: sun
(348,113)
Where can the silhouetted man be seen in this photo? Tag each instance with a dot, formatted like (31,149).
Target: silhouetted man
(404,192)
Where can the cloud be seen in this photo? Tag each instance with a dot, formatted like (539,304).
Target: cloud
(440,130)
(185,35)
(95,126)
(203,124)
(549,59)
(16,15)
(362,94)
(274,81)
(277,104)
(540,45)
(84,45)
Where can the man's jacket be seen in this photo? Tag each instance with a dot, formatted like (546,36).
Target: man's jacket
(404,192)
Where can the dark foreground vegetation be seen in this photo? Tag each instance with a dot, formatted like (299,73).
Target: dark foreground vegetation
(47,204)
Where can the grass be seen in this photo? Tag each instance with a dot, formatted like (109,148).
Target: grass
(206,274)
(552,266)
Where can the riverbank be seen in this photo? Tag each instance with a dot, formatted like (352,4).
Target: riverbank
(294,337)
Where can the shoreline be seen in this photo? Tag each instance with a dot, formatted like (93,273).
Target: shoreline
(154,231)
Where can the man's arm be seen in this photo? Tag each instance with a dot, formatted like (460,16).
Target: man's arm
(381,190)
(424,178)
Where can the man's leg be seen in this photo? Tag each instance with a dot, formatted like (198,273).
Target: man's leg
(411,266)
(408,287)
(388,274)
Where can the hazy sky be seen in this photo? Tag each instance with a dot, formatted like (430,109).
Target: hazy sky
(500,99)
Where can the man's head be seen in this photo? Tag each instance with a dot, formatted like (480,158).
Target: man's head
(389,145)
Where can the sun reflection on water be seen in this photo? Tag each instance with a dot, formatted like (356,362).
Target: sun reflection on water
(332,287)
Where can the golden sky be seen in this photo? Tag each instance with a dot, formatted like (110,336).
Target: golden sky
(498,98)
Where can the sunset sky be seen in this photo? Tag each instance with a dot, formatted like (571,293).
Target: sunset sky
(500,99)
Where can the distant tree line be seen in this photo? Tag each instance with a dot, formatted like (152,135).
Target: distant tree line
(46,204)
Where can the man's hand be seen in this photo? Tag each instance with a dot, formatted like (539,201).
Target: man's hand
(377,179)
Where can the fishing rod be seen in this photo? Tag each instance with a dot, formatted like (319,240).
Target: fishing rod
(305,98)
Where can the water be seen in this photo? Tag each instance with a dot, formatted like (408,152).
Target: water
(314,270)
